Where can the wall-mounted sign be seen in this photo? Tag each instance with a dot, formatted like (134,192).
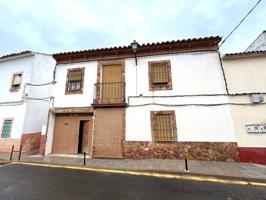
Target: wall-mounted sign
(256,128)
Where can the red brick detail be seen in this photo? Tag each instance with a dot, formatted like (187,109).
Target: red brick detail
(42,144)
(6,144)
(218,151)
(253,155)
(31,143)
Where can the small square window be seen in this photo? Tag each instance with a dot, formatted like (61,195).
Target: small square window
(16,81)
(163,126)
(74,83)
(6,130)
(160,75)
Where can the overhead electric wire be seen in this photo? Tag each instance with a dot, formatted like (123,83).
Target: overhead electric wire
(20,102)
(240,23)
(222,68)
(42,84)
(192,104)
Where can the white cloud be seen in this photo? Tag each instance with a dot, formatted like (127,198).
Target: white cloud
(63,25)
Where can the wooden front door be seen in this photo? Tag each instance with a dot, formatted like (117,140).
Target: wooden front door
(65,135)
(87,137)
(67,130)
(112,84)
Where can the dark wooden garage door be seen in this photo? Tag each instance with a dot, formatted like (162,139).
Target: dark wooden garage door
(108,132)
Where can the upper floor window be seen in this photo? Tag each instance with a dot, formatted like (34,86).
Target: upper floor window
(163,126)
(6,129)
(16,81)
(160,77)
(75,79)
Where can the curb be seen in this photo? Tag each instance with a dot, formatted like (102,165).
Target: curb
(159,174)
(4,162)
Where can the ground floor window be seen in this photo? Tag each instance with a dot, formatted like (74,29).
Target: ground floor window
(163,126)
(6,130)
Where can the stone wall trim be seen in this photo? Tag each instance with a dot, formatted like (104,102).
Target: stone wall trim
(216,151)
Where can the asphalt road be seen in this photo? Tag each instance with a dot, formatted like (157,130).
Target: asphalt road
(19,182)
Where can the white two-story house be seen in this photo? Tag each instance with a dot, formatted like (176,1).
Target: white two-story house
(159,100)
(25,96)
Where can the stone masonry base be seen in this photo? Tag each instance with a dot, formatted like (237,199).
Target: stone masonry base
(31,143)
(218,151)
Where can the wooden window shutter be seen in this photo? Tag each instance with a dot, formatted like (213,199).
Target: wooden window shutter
(160,76)
(74,82)
(163,126)
(17,79)
(75,75)
(160,73)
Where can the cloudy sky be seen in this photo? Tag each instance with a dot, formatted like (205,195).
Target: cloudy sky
(51,26)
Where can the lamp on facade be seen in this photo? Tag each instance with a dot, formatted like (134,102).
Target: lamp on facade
(134,46)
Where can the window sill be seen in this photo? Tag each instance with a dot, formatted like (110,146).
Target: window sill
(14,90)
(164,142)
(70,93)
(160,88)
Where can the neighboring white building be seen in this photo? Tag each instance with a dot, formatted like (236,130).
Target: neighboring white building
(170,101)
(245,74)
(24,105)
(259,44)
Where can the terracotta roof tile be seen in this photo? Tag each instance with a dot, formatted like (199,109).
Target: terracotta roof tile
(149,49)
(15,54)
(244,54)
(141,45)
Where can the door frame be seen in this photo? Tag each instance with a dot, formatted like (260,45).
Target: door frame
(90,119)
(104,63)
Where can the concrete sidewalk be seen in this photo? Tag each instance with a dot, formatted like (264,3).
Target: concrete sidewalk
(210,168)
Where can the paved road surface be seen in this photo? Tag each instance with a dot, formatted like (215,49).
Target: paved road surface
(21,182)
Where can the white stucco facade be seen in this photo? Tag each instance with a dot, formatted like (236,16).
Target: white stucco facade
(28,115)
(194,124)
(75,100)
(192,74)
(14,112)
(246,74)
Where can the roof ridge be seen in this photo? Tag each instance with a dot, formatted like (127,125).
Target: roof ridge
(141,45)
(248,53)
(15,54)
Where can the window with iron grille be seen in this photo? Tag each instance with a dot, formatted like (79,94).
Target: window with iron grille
(16,81)
(6,129)
(163,126)
(75,78)
(160,75)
